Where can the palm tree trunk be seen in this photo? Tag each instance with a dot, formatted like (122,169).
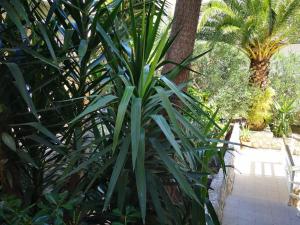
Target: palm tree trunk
(185,24)
(260,110)
(260,70)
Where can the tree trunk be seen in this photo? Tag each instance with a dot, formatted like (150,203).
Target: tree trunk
(260,110)
(260,70)
(185,24)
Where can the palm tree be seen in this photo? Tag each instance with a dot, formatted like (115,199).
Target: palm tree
(259,28)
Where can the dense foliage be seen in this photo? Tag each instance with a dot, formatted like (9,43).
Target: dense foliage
(222,83)
(90,131)
(260,112)
(284,76)
(222,80)
(259,28)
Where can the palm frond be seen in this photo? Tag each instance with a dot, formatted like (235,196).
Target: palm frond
(252,21)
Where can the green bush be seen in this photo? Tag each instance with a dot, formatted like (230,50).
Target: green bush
(260,112)
(284,78)
(52,210)
(284,75)
(223,80)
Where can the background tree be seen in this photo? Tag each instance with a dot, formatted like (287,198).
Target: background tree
(259,28)
(221,74)
(184,27)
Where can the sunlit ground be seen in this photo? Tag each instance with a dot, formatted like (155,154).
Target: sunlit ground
(260,193)
(266,163)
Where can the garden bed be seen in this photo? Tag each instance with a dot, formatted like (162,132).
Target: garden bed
(264,140)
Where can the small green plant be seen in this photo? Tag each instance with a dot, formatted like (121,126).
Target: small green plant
(260,112)
(55,206)
(245,134)
(50,210)
(284,113)
(131,215)
(12,212)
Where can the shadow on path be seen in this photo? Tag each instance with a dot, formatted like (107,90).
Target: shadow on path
(260,192)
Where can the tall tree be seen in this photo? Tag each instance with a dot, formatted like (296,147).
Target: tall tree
(184,28)
(259,28)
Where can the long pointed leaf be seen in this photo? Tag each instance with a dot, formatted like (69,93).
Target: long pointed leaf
(21,85)
(136,114)
(164,126)
(117,170)
(141,176)
(172,167)
(47,40)
(121,113)
(9,141)
(101,101)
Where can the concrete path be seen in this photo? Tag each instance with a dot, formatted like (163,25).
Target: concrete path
(260,192)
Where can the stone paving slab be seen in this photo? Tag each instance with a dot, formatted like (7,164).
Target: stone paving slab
(260,192)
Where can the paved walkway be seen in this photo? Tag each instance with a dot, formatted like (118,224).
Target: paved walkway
(260,192)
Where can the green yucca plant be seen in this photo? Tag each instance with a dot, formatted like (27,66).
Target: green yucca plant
(284,113)
(85,112)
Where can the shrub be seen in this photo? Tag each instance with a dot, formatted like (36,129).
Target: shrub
(284,75)
(260,113)
(284,78)
(52,210)
(222,81)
